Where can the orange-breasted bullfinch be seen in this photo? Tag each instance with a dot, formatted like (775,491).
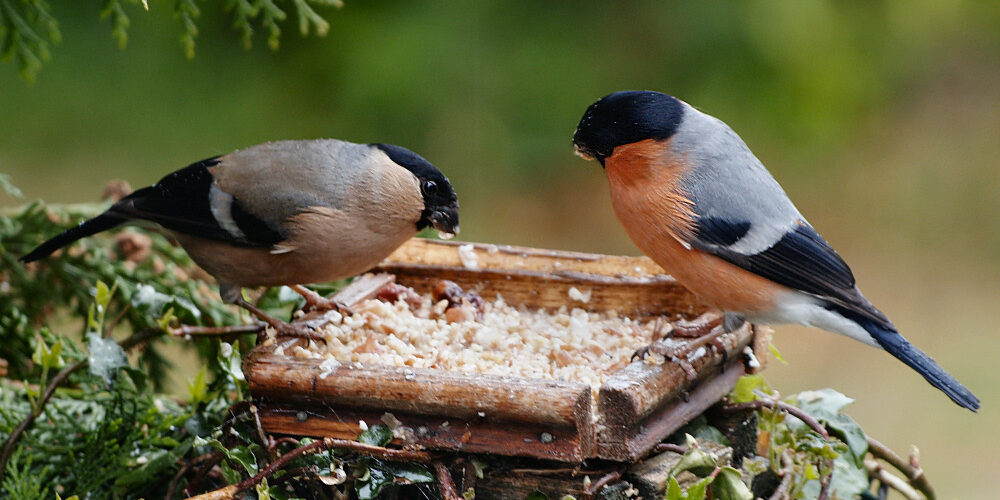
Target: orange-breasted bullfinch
(287,213)
(694,198)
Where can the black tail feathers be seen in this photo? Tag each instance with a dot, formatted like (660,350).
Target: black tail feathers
(903,350)
(102,222)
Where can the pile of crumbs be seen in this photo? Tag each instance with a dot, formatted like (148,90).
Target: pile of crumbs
(456,330)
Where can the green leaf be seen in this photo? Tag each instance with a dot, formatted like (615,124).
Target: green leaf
(232,364)
(377,435)
(198,387)
(102,295)
(370,488)
(409,472)
(777,354)
(697,461)
(696,491)
(825,405)
(242,454)
(745,387)
(729,485)
(536,495)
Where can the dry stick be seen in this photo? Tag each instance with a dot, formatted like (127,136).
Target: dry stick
(826,481)
(186,330)
(172,488)
(767,403)
(912,471)
(604,480)
(876,471)
(50,390)
(445,482)
(327,443)
(676,448)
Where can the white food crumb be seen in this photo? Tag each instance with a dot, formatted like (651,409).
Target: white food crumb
(568,344)
(362,425)
(467,254)
(445,236)
(579,296)
(329,365)
(752,361)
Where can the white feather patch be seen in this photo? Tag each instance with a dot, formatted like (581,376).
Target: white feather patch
(221,204)
(799,308)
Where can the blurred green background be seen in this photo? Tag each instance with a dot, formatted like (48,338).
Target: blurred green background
(881,119)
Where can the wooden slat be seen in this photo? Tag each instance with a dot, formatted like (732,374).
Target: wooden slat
(469,435)
(632,443)
(420,390)
(640,388)
(633,286)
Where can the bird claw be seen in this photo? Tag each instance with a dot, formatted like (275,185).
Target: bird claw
(297,330)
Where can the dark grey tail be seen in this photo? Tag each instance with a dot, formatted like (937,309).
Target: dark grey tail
(102,222)
(895,344)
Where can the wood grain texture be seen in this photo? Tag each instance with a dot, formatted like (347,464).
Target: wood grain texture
(488,435)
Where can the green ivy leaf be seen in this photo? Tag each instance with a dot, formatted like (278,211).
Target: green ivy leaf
(377,435)
(696,491)
(409,472)
(729,485)
(825,405)
(745,387)
(697,461)
(371,488)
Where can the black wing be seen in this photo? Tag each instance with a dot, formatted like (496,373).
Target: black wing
(181,202)
(801,260)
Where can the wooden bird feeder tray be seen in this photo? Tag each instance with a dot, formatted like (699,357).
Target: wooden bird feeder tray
(637,407)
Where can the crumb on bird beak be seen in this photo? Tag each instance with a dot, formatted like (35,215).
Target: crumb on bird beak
(582,153)
(446,222)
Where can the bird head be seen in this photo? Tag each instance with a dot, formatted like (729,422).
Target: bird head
(624,118)
(440,201)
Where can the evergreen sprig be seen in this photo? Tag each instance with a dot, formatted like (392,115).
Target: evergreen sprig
(28,29)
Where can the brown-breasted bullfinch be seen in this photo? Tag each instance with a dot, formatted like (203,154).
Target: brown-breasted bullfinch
(694,198)
(287,213)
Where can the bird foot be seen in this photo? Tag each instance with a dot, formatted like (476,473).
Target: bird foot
(699,327)
(317,302)
(281,328)
(295,330)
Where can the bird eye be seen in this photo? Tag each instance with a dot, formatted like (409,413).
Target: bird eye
(430,186)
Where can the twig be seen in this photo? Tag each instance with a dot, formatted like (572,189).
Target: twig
(781,492)
(911,470)
(768,403)
(275,442)
(826,480)
(604,480)
(676,448)
(876,471)
(186,330)
(212,461)
(180,473)
(327,443)
(445,482)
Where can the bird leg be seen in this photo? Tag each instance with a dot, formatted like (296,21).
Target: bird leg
(698,327)
(706,329)
(317,302)
(281,328)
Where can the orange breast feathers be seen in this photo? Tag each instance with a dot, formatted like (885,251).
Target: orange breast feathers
(648,199)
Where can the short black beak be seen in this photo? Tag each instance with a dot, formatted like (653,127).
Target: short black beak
(445,220)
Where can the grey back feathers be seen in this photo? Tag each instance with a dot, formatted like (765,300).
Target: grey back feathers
(317,173)
(726,181)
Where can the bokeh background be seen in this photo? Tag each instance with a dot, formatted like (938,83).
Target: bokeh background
(881,119)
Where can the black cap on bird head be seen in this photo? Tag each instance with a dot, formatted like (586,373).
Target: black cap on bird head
(440,200)
(624,118)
